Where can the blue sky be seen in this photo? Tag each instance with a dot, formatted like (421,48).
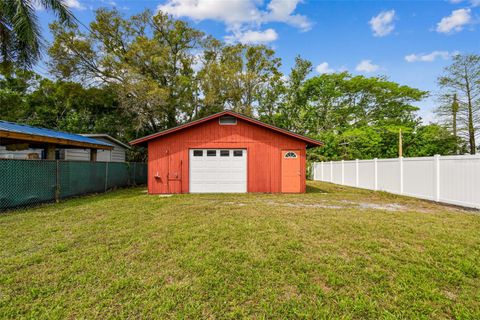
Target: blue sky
(410,42)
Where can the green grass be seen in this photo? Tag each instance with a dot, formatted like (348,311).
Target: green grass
(334,252)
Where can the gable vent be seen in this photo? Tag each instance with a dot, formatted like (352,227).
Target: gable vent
(227,120)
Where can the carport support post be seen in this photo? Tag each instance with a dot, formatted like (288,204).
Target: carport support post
(375,170)
(93,155)
(50,150)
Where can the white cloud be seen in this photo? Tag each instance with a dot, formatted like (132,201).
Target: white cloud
(454,22)
(382,24)
(324,68)
(253,37)
(429,57)
(233,12)
(241,17)
(282,11)
(367,66)
(74,4)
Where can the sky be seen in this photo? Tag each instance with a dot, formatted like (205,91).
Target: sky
(410,42)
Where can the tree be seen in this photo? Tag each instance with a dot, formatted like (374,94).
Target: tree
(163,72)
(359,117)
(432,139)
(14,89)
(27,98)
(454,108)
(463,78)
(20,37)
(341,101)
(448,112)
(289,113)
(241,77)
(148,59)
(212,78)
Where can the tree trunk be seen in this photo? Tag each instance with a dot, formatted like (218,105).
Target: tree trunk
(171,118)
(471,128)
(454,120)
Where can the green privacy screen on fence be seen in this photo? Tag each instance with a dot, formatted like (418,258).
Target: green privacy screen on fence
(28,182)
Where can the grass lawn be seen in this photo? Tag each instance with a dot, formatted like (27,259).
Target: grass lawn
(334,252)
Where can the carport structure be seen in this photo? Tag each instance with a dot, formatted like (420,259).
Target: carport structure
(16,136)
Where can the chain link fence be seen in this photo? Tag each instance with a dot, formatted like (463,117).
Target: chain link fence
(29,182)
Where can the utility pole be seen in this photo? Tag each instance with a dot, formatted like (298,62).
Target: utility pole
(455,108)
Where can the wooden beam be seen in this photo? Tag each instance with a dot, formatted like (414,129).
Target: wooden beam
(49,140)
(93,155)
(50,151)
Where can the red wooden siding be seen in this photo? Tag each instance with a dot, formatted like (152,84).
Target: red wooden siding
(168,155)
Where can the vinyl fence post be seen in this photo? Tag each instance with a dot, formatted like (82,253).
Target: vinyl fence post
(343,172)
(436,159)
(356,173)
(321,166)
(106,176)
(314,171)
(375,169)
(57,181)
(400,159)
(331,171)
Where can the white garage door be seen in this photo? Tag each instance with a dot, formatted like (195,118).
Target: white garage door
(218,170)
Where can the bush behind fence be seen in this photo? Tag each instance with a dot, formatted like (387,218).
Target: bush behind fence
(30,182)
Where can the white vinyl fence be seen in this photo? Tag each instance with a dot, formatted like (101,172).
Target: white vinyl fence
(449,179)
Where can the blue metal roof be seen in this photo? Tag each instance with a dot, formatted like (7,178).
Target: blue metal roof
(25,129)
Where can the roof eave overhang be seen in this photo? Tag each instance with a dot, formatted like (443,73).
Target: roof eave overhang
(106,136)
(24,137)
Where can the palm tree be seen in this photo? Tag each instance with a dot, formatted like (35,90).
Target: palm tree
(20,37)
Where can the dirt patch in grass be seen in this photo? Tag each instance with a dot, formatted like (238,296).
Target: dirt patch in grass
(328,204)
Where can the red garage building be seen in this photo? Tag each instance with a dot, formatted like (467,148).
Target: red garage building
(226,152)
